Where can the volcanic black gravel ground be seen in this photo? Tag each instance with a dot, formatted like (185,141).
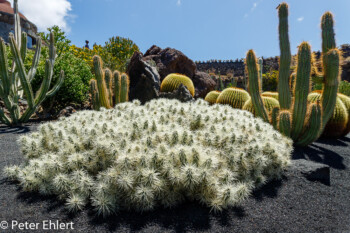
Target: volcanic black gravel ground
(292,204)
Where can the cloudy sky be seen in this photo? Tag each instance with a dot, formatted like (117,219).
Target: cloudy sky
(202,29)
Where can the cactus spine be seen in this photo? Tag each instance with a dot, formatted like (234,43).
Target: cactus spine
(285,98)
(17,81)
(108,89)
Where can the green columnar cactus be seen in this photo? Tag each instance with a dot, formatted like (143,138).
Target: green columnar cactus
(117,85)
(314,120)
(172,82)
(109,88)
(285,123)
(285,98)
(301,89)
(233,96)
(94,94)
(124,90)
(274,117)
(260,61)
(17,81)
(212,97)
(254,86)
(308,120)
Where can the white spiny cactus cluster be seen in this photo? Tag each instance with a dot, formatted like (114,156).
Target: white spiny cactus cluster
(138,157)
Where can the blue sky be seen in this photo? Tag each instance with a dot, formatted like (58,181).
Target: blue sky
(203,29)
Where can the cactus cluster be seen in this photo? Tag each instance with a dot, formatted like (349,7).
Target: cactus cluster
(304,122)
(108,89)
(172,82)
(158,154)
(339,123)
(16,82)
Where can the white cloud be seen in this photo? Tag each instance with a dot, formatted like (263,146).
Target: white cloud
(178,3)
(254,6)
(46,13)
(300,18)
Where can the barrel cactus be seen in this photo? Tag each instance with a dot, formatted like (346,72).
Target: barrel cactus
(140,157)
(236,97)
(212,96)
(269,104)
(307,120)
(270,94)
(346,101)
(172,82)
(337,126)
(108,89)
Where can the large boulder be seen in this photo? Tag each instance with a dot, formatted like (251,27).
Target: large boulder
(148,71)
(144,79)
(182,94)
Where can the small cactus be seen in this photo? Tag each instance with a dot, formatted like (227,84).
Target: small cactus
(269,104)
(172,82)
(212,97)
(236,97)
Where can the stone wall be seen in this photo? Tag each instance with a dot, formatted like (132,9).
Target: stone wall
(225,67)
(6,26)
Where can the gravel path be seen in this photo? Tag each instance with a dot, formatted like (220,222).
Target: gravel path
(292,204)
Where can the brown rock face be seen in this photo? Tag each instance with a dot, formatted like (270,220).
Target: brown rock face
(156,64)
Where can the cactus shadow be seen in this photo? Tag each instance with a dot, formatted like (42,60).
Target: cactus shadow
(187,216)
(269,190)
(14,130)
(320,154)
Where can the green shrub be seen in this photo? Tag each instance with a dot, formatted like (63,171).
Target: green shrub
(270,81)
(143,156)
(77,75)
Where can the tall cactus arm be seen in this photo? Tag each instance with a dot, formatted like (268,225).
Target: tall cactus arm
(285,123)
(312,131)
(108,81)
(36,59)
(45,85)
(284,96)
(124,90)
(21,72)
(94,95)
(117,86)
(57,85)
(301,89)
(23,48)
(17,24)
(274,117)
(328,35)
(254,86)
(4,118)
(102,89)
(331,64)
(52,48)
(4,73)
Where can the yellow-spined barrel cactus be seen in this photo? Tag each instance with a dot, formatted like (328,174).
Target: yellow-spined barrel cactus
(236,97)
(270,94)
(212,96)
(338,123)
(269,104)
(173,81)
(158,154)
(346,101)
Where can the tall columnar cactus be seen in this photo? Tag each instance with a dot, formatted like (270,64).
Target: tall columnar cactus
(261,67)
(285,98)
(254,86)
(108,89)
(17,81)
(306,120)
